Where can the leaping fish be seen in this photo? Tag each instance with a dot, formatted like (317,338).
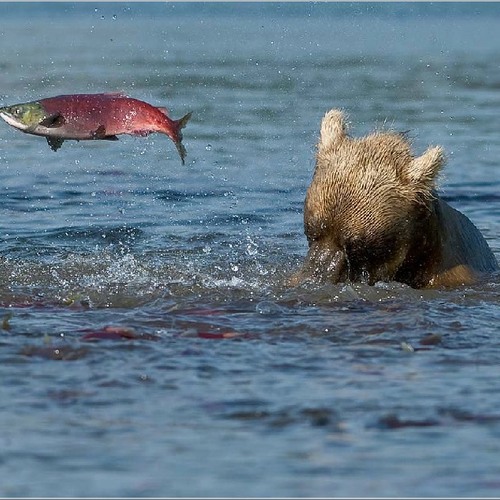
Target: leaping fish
(93,117)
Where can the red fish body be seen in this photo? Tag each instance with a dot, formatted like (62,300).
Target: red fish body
(93,116)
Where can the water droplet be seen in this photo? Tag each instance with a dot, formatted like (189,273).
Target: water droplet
(251,250)
(208,147)
(267,307)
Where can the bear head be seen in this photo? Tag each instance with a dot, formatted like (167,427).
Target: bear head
(367,212)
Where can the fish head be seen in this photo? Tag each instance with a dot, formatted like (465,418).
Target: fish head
(24,116)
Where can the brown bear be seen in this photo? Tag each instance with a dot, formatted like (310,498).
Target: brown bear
(372,214)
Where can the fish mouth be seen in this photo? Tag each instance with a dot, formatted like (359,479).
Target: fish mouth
(12,121)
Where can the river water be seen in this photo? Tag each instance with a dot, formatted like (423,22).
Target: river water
(149,344)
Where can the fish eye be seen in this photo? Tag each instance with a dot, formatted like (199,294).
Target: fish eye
(17,111)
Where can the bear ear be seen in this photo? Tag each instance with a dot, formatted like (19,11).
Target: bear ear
(424,168)
(333,128)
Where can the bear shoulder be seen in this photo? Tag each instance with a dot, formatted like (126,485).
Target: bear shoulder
(465,253)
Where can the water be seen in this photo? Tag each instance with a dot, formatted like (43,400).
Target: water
(215,378)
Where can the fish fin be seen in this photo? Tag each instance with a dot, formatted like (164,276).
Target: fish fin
(99,132)
(116,94)
(141,133)
(53,121)
(181,150)
(163,110)
(55,142)
(181,123)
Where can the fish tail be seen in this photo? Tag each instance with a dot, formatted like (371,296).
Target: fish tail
(180,124)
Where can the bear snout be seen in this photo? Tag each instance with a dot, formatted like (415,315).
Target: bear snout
(325,263)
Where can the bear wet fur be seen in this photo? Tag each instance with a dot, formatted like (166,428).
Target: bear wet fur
(372,214)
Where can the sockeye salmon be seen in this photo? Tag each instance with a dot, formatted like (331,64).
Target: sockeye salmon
(93,117)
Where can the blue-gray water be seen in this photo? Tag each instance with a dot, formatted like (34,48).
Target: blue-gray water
(234,384)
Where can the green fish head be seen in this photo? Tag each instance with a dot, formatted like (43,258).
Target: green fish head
(23,116)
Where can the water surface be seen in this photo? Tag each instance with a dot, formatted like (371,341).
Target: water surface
(149,343)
